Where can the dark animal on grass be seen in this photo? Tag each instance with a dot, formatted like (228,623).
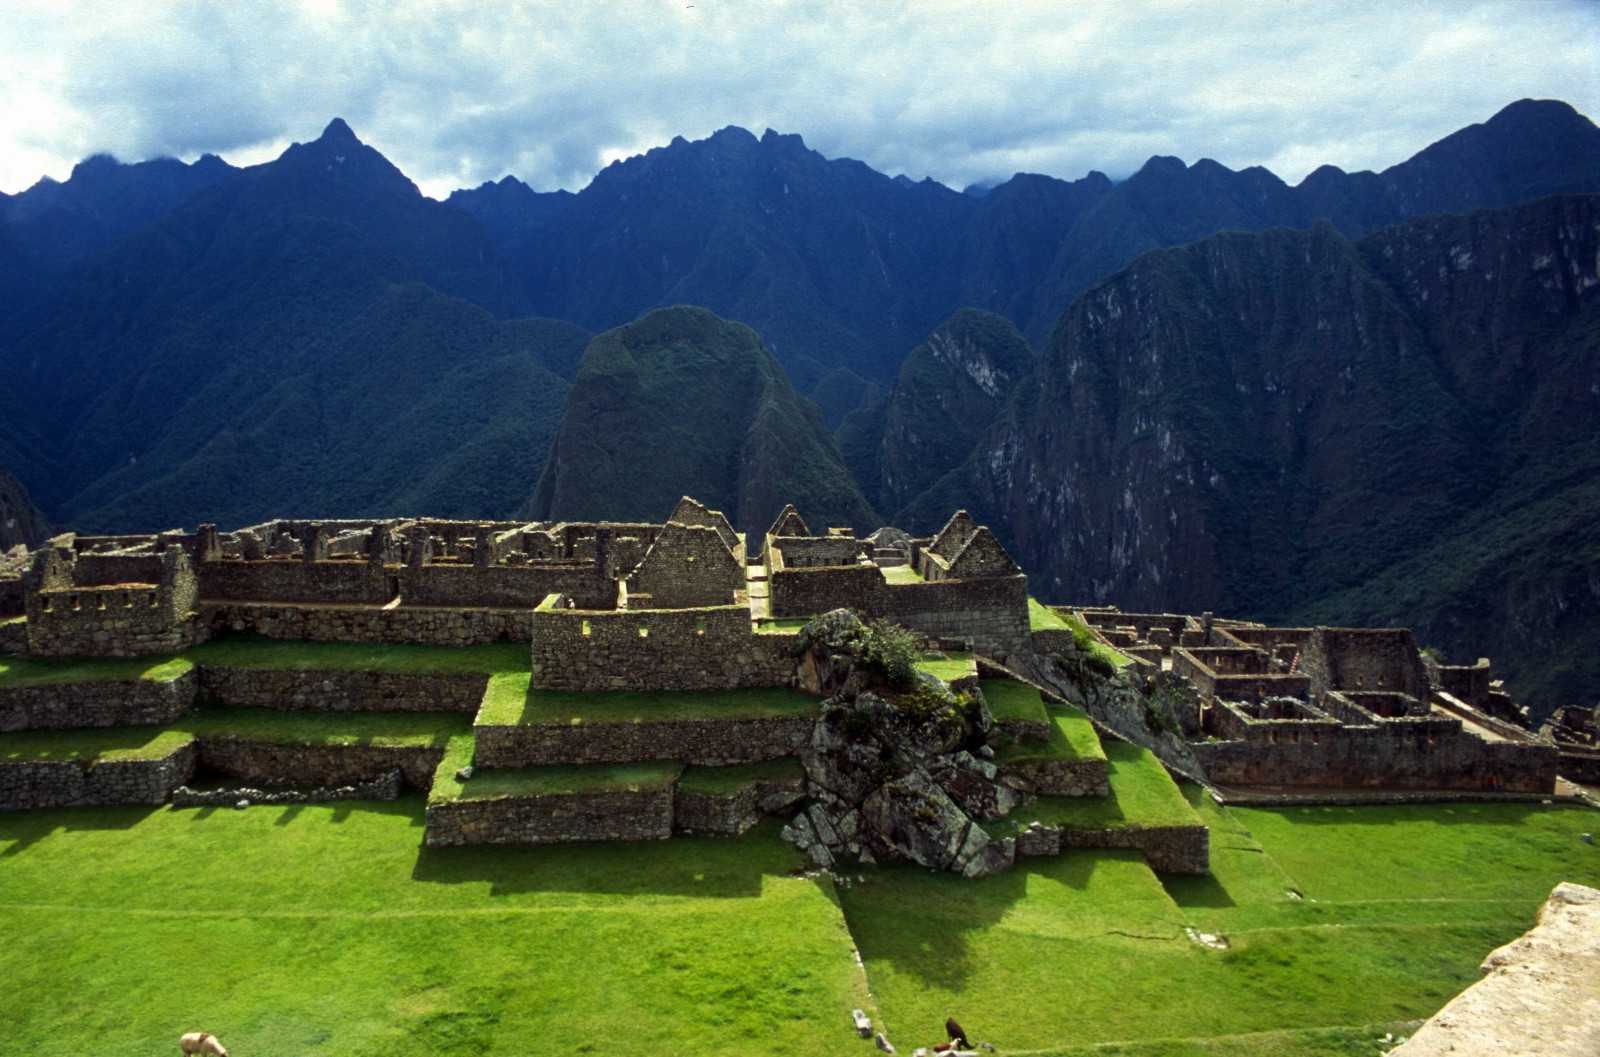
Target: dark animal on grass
(202,1042)
(958,1038)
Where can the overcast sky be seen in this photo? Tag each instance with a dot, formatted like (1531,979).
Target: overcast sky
(459,93)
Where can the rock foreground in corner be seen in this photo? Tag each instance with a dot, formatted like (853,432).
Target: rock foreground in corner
(1540,993)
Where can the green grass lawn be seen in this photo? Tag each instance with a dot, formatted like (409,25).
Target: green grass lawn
(103,743)
(257,651)
(1142,794)
(1042,618)
(1065,956)
(383,729)
(1072,737)
(722,781)
(328,931)
(952,666)
(902,574)
(563,778)
(1010,700)
(46,671)
(509,701)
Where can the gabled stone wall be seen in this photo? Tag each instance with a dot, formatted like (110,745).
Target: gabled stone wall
(687,566)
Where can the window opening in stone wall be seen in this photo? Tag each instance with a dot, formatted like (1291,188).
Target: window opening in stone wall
(644,631)
(49,607)
(700,626)
(585,629)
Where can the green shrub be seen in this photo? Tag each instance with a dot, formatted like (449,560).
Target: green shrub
(890,650)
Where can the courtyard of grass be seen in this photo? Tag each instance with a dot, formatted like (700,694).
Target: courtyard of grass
(510,700)
(328,930)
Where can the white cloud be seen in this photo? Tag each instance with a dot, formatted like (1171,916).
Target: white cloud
(457,93)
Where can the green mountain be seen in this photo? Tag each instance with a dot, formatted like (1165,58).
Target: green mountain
(682,402)
(20,520)
(949,391)
(1289,425)
(280,342)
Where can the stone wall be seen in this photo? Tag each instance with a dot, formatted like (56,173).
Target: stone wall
(431,626)
(1391,755)
(98,703)
(1169,849)
(990,612)
(12,602)
(342,690)
(686,566)
(713,648)
(1063,777)
(726,815)
(1364,659)
(14,636)
(1579,764)
(328,766)
(351,582)
(556,818)
(71,783)
(705,742)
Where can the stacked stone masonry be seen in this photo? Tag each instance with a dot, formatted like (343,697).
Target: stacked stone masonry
(705,742)
(337,690)
(78,783)
(96,703)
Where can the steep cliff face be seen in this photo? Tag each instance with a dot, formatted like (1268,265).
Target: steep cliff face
(682,402)
(948,393)
(20,520)
(1291,425)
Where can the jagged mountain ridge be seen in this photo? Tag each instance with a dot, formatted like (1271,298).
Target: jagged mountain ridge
(20,521)
(1293,426)
(842,269)
(642,427)
(282,337)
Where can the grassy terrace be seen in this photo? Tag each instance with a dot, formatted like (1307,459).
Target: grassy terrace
(902,574)
(45,671)
(101,743)
(509,701)
(331,931)
(1142,794)
(543,781)
(255,651)
(787,626)
(1042,618)
(723,781)
(378,729)
(950,667)
(1072,737)
(1010,700)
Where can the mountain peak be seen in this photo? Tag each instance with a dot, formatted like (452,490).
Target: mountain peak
(338,131)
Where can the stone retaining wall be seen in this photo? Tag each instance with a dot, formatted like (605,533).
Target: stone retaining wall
(14,636)
(433,626)
(730,814)
(706,742)
(272,763)
(1169,849)
(72,783)
(1063,777)
(1382,757)
(555,818)
(342,690)
(726,815)
(385,787)
(1579,764)
(97,703)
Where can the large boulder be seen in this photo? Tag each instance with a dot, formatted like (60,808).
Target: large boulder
(894,771)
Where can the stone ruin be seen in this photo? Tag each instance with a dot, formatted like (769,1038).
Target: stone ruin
(690,606)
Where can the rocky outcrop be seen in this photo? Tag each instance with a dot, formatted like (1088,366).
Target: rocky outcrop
(897,767)
(1540,993)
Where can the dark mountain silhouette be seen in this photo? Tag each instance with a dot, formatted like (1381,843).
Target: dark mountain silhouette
(286,337)
(1404,429)
(20,520)
(681,402)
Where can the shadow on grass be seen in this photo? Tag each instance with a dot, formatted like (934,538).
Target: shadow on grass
(696,867)
(27,828)
(1471,814)
(1189,891)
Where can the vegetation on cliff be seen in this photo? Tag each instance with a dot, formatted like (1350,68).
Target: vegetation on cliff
(684,403)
